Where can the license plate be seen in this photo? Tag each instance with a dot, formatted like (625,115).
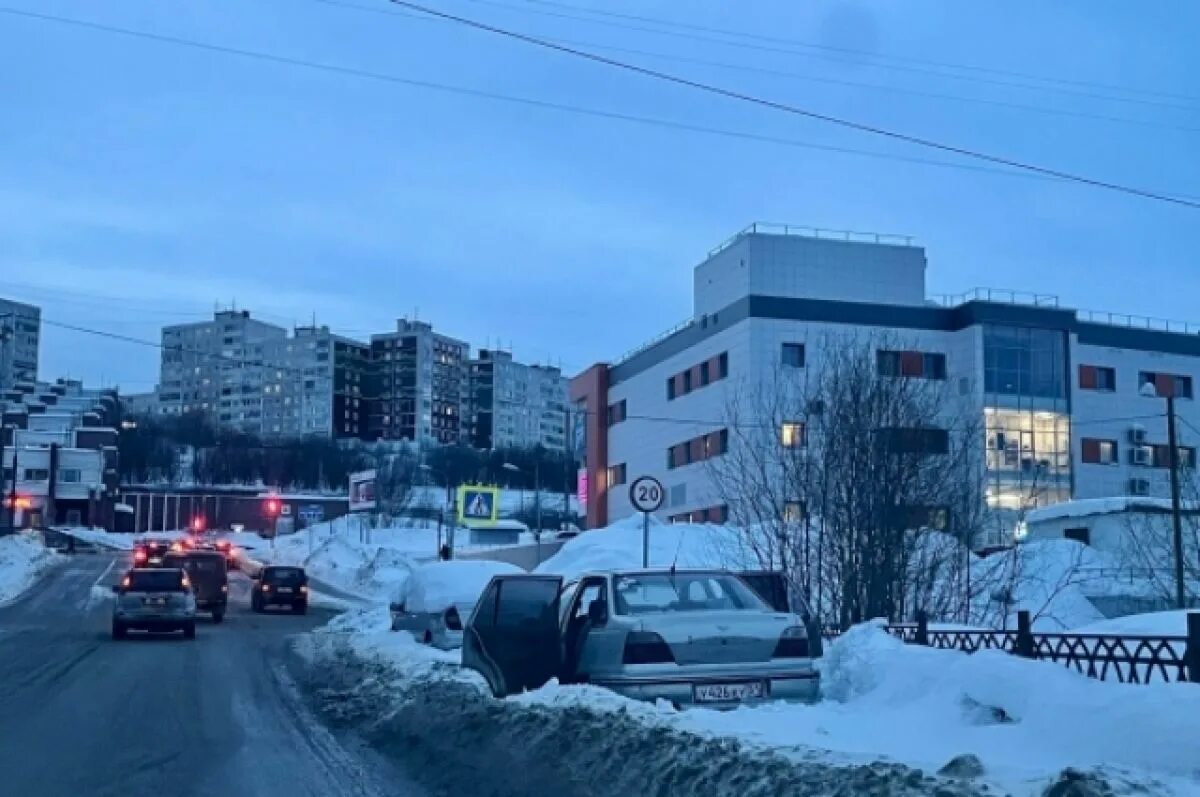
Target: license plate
(285,590)
(729,693)
(155,601)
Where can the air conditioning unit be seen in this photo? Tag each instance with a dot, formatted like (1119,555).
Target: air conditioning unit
(1137,435)
(1139,456)
(1139,487)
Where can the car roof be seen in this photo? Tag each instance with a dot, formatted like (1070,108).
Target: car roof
(660,571)
(155,570)
(282,567)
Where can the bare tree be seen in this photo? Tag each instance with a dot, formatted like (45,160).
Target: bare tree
(838,478)
(396,474)
(1147,547)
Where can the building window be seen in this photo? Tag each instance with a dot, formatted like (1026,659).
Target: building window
(69,475)
(1099,452)
(704,376)
(793,511)
(671,388)
(791,434)
(37,474)
(723,364)
(1160,456)
(698,449)
(792,355)
(616,412)
(687,381)
(1167,384)
(1079,535)
(922,365)
(1097,377)
(1021,361)
(616,475)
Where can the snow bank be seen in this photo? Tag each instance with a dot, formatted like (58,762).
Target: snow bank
(1051,579)
(1172,623)
(437,586)
(22,559)
(619,547)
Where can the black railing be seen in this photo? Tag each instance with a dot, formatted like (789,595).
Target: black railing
(1126,658)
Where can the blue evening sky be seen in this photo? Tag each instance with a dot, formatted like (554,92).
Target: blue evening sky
(143,182)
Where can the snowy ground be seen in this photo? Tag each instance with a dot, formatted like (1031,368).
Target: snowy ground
(884,701)
(22,559)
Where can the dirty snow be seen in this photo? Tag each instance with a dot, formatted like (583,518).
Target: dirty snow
(1026,721)
(22,559)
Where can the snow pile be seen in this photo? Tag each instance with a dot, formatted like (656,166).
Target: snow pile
(101,538)
(1156,624)
(619,547)
(437,586)
(22,559)
(1051,579)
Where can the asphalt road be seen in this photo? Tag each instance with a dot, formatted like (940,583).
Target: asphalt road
(84,716)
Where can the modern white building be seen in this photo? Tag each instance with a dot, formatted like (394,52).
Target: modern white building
(1058,391)
(515,405)
(20,333)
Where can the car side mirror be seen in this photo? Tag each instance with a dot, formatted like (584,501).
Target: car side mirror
(598,611)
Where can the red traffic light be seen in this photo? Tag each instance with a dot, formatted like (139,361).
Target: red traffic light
(272,506)
(197,524)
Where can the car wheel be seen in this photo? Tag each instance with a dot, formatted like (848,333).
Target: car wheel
(118,631)
(189,631)
(218,616)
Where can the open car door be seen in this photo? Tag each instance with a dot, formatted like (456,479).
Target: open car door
(513,637)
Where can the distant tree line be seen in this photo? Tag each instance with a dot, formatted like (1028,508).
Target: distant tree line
(173,449)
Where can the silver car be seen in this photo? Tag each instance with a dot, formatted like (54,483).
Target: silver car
(154,599)
(691,637)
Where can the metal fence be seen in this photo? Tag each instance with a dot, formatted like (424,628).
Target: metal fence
(1126,658)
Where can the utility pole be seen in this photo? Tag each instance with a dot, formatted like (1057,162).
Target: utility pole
(12,493)
(1176,519)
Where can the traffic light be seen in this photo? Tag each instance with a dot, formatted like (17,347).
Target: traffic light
(272,507)
(197,524)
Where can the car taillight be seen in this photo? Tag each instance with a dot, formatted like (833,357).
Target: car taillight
(266,587)
(303,588)
(646,647)
(453,621)
(139,557)
(793,644)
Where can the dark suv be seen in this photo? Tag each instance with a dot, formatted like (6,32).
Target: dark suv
(209,577)
(276,585)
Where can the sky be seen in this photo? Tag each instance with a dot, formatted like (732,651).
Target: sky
(146,182)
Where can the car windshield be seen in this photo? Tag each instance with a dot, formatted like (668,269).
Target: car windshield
(284,575)
(654,593)
(155,581)
(196,564)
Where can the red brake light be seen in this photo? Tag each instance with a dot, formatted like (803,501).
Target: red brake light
(125,582)
(646,647)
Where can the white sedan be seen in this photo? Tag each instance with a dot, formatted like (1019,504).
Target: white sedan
(435,602)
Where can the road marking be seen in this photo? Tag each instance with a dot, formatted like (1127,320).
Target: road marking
(104,575)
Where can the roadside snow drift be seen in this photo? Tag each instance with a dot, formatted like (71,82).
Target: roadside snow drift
(892,713)
(22,559)
(436,586)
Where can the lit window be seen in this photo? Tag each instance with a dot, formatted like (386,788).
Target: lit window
(791,434)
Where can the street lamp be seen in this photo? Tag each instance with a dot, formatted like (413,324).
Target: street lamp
(537,498)
(1150,390)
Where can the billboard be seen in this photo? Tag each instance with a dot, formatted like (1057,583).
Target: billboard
(478,506)
(362,491)
(581,488)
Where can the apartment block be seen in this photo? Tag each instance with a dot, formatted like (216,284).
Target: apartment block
(515,405)
(418,385)
(1070,402)
(20,335)
(59,453)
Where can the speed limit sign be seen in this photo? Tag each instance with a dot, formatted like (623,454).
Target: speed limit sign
(646,494)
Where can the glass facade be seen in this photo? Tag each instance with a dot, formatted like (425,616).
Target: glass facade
(1027,420)
(1021,361)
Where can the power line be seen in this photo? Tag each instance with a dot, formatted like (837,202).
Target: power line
(850,51)
(798,111)
(843,60)
(523,101)
(1061,112)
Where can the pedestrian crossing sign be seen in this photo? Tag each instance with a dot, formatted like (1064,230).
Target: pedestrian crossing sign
(478,506)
